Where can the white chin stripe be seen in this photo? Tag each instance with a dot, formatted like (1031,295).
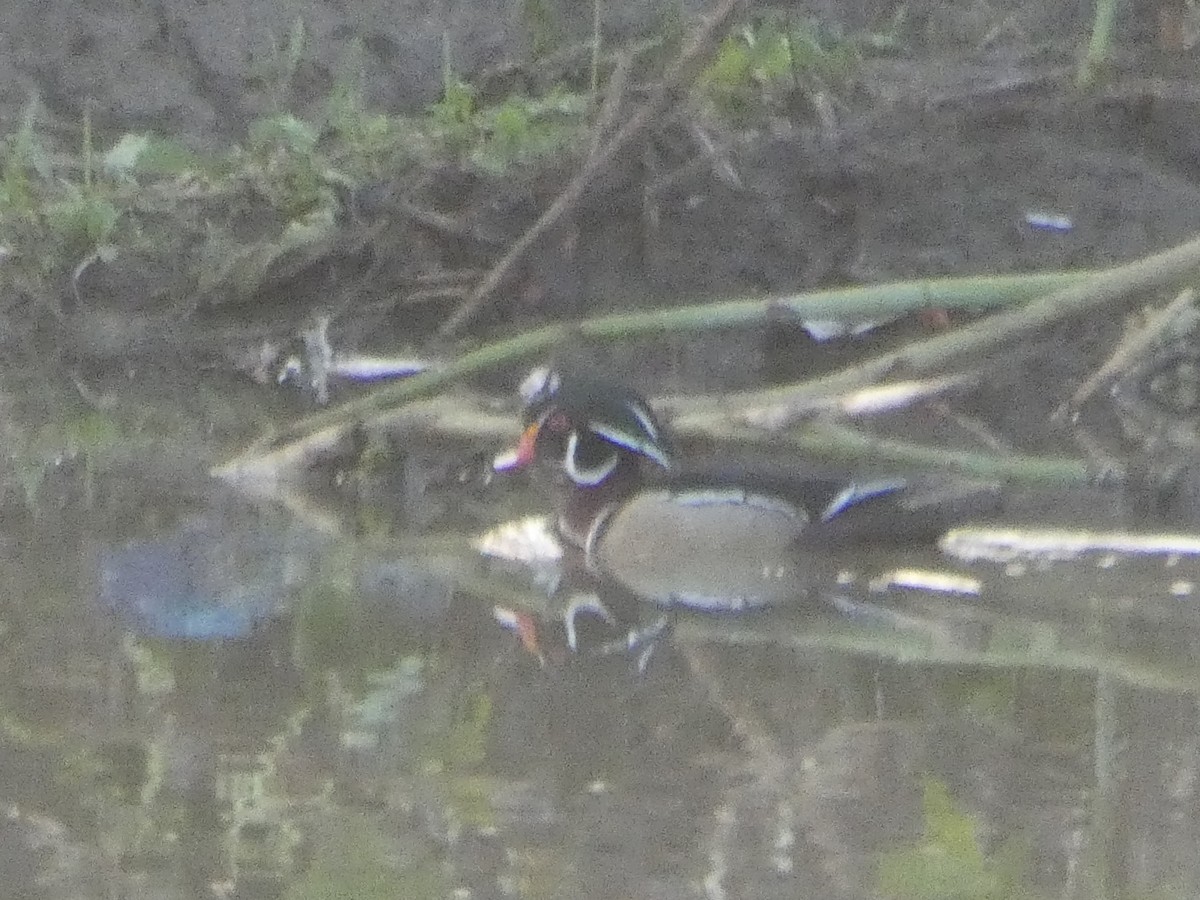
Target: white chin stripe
(589,476)
(647,448)
(506,461)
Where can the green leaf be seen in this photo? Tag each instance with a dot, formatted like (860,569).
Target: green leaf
(121,160)
(730,68)
(283,131)
(83,216)
(457,105)
(162,156)
(510,127)
(27,146)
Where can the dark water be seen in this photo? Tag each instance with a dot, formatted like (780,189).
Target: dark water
(208,695)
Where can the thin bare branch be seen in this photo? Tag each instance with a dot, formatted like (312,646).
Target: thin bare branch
(1126,354)
(703,40)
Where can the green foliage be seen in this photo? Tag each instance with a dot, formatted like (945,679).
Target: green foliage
(758,67)
(949,863)
(64,218)
(457,105)
(522,129)
(82,217)
(986,695)
(364,144)
(63,206)
(462,746)
(358,859)
(139,154)
(516,131)
(85,438)
(291,173)
(25,162)
(277,70)
(283,133)
(454,753)
(451,120)
(325,627)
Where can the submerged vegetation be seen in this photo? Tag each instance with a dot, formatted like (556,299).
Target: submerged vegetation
(950,862)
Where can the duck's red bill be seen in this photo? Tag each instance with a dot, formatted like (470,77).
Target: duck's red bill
(519,456)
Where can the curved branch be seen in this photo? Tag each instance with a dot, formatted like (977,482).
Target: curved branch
(1076,293)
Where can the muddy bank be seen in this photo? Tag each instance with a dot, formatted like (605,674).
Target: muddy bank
(953,127)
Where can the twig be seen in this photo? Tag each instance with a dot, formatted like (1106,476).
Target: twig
(778,631)
(613,95)
(986,335)
(844,445)
(552,66)
(1085,290)
(265,472)
(722,166)
(443,224)
(1096,55)
(872,301)
(468,418)
(666,182)
(1126,353)
(431,295)
(704,38)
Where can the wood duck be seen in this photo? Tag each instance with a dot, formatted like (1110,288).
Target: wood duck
(707,540)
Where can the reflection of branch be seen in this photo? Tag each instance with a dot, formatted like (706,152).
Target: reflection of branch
(884,643)
(1099,47)
(762,751)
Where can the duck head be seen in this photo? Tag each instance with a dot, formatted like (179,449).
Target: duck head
(592,431)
